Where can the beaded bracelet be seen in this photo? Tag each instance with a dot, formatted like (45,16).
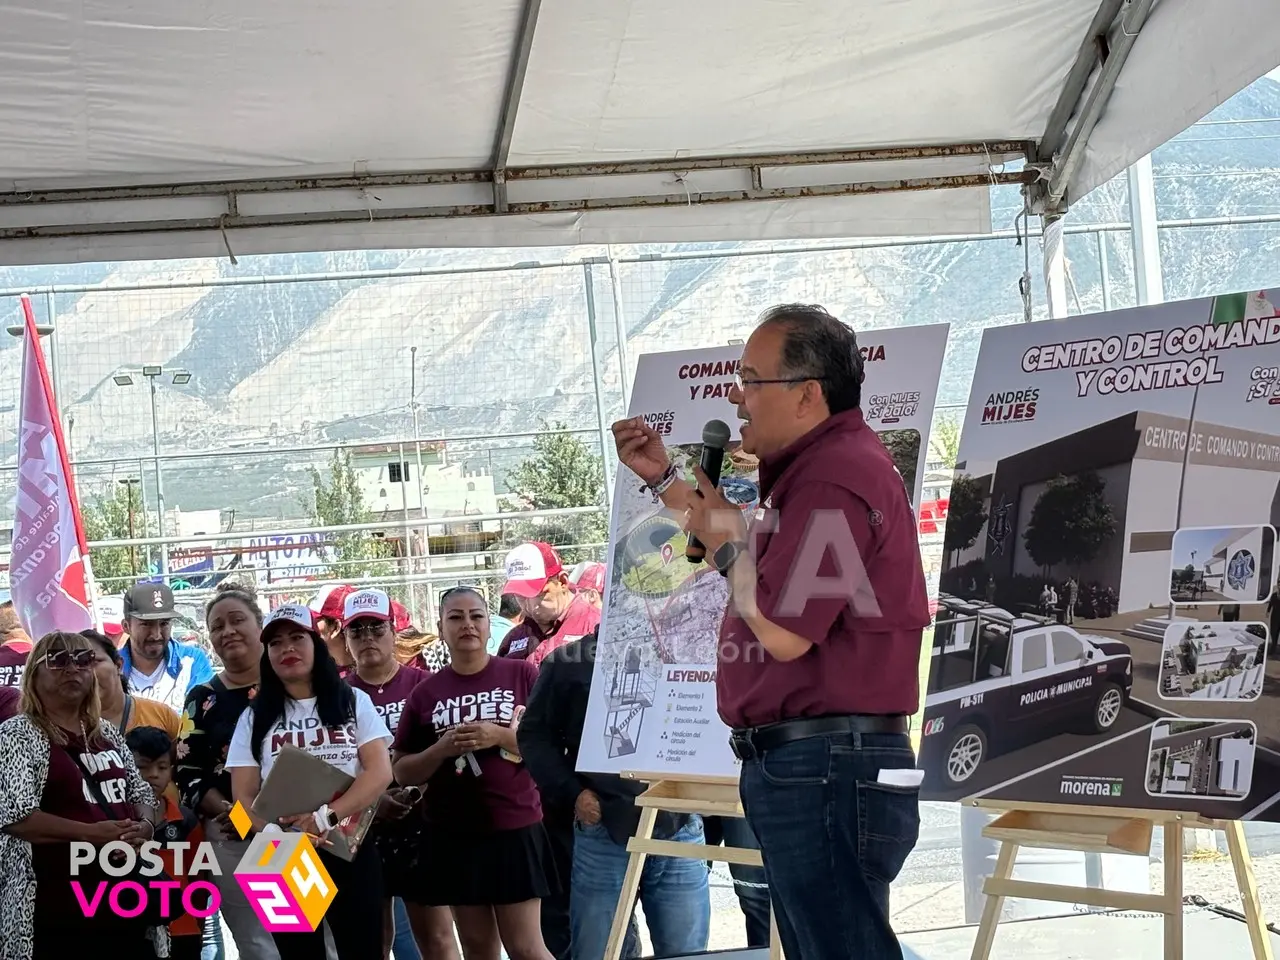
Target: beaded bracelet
(663,485)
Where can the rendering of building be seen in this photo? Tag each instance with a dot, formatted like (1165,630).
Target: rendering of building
(1204,758)
(1139,457)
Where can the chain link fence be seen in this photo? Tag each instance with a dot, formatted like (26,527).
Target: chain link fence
(220,397)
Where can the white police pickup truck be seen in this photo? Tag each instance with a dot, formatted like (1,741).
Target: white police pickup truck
(998,681)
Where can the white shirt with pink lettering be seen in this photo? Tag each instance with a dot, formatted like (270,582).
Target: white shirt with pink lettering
(301,728)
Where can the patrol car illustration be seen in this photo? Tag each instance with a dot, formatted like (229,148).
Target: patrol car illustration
(997,681)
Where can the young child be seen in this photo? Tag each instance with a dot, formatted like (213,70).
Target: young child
(153,752)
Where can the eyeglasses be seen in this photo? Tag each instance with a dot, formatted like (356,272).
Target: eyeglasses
(62,660)
(361,631)
(742,384)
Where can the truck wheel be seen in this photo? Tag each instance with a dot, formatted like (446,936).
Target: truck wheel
(1107,708)
(965,754)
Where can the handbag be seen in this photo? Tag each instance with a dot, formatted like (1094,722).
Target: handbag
(152,915)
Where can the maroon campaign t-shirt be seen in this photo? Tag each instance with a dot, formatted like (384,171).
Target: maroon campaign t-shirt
(526,638)
(12,663)
(504,796)
(838,563)
(389,698)
(9,699)
(67,795)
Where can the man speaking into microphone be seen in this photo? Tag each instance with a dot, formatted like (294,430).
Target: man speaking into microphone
(828,581)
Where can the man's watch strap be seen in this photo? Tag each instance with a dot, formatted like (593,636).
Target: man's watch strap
(727,555)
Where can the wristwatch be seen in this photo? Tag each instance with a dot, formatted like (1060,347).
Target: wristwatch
(727,555)
(326,819)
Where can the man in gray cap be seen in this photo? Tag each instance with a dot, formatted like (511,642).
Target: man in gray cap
(157,666)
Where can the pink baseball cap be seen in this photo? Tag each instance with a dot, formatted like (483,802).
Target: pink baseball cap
(529,567)
(328,602)
(588,575)
(368,604)
(296,613)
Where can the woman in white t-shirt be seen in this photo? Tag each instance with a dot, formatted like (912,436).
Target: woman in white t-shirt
(303,702)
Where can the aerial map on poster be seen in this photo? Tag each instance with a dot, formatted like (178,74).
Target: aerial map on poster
(1108,597)
(653,695)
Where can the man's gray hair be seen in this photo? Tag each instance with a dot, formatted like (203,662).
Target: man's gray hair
(819,347)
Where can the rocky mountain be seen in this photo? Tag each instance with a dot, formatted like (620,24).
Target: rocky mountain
(330,360)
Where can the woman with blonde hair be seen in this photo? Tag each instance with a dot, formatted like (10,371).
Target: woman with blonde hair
(425,651)
(65,775)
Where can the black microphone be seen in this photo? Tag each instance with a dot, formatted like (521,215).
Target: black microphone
(715,437)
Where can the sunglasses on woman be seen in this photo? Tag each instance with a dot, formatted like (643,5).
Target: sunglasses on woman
(61,660)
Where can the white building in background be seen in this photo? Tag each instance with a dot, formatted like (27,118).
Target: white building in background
(389,479)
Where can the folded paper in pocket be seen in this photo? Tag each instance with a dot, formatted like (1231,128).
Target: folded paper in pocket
(906,777)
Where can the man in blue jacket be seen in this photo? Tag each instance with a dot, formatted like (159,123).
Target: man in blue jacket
(157,666)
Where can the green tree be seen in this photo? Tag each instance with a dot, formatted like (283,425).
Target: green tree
(1070,522)
(113,516)
(904,447)
(944,441)
(965,514)
(336,500)
(561,472)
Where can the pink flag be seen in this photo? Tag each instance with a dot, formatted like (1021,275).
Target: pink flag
(49,554)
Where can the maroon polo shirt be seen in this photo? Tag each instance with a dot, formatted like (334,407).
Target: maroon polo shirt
(838,564)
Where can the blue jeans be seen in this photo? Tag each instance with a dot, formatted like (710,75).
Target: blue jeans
(673,891)
(749,883)
(403,946)
(833,839)
(211,946)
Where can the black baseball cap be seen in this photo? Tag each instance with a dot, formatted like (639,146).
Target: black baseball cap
(149,601)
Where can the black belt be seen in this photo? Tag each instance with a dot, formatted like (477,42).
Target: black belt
(751,742)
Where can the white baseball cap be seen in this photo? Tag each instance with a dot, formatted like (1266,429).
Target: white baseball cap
(372,604)
(529,567)
(328,602)
(289,613)
(588,575)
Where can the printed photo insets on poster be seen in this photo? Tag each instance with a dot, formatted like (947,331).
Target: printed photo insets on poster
(1213,661)
(1201,758)
(1097,452)
(1222,565)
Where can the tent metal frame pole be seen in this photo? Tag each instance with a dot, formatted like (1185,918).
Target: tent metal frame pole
(35,211)
(1092,51)
(1148,277)
(1113,57)
(511,101)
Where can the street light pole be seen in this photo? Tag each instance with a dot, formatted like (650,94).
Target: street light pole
(424,532)
(153,372)
(155,450)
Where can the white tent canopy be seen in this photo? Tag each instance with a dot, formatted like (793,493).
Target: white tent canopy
(159,129)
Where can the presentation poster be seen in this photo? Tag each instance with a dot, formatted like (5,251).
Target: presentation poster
(1107,605)
(653,696)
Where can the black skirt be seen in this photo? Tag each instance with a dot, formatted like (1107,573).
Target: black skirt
(464,869)
(399,845)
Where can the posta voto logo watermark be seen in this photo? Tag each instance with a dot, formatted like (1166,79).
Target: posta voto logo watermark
(280,874)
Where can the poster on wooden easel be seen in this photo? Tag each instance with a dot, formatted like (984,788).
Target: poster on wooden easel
(653,698)
(1104,634)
